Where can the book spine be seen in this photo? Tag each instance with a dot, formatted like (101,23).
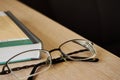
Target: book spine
(32,37)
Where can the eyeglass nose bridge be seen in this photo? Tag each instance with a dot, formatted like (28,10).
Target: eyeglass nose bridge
(64,57)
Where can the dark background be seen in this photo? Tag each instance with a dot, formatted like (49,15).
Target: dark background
(96,20)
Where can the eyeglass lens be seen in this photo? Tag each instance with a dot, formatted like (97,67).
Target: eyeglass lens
(26,67)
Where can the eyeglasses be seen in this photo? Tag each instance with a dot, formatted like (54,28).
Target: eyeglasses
(72,50)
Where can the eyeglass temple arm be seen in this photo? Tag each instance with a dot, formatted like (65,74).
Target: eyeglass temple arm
(76,52)
(59,60)
(54,61)
(14,69)
(35,68)
(89,60)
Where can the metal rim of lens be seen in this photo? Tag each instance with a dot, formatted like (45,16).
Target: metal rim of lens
(19,78)
(84,43)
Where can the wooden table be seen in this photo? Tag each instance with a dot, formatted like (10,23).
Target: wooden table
(53,34)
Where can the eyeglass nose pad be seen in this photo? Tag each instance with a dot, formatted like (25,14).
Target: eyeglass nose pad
(63,57)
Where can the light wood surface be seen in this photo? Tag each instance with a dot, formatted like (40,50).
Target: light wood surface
(53,34)
(9,30)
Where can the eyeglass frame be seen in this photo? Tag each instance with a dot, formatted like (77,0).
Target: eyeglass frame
(62,58)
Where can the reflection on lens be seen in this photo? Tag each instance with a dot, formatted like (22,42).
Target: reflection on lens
(22,69)
(78,49)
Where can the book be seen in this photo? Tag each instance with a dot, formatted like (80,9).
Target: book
(16,38)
